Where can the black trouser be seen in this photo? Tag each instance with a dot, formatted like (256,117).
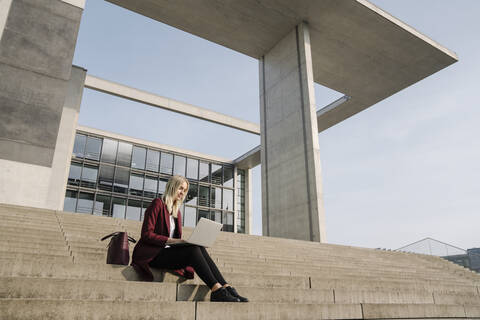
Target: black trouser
(194,256)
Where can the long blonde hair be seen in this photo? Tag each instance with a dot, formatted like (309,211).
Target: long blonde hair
(169,196)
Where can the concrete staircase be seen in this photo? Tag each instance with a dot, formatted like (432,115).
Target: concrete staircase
(52,266)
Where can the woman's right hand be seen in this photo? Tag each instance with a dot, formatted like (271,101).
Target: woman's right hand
(175,241)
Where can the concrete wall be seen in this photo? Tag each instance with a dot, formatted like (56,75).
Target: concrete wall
(39,186)
(291,181)
(36,52)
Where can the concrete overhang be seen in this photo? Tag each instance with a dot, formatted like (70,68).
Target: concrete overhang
(357,48)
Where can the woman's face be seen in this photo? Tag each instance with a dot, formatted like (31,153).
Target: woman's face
(181,191)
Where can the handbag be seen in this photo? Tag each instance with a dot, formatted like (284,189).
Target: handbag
(118,248)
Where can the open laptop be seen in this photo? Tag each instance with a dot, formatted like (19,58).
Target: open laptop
(203,235)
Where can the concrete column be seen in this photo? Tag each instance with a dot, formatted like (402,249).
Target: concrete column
(292,205)
(248,202)
(37,42)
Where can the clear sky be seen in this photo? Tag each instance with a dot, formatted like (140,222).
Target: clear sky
(404,169)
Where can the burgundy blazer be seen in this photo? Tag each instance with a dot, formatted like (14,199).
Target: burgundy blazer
(155,233)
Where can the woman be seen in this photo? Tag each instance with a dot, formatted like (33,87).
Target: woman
(162,227)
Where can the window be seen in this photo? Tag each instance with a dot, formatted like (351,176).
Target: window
(227,221)
(192,194)
(162,183)
(216,198)
(228,176)
(192,169)
(79,145)
(166,163)
(153,160)
(121,180)
(105,179)
(136,185)
(118,208)
(89,176)
(217,216)
(124,156)
(70,202)
(227,199)
(134,209)
(203,214)
(102,205)
(204,196)
(92,149)
(109,150)
(204,172)
(150,187)
(216,174)
(138,158)
(190,217)
(85,202)
(179,167)
(74,174)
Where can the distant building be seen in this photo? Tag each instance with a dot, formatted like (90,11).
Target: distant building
(469,258)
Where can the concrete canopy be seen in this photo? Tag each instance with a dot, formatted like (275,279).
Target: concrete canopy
(357,48)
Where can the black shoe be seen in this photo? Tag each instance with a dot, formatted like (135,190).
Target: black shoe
(222,295)
(235,294)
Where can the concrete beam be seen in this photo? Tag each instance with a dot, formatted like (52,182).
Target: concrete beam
(154,100)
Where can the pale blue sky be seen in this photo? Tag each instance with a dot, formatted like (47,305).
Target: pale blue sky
(404,169)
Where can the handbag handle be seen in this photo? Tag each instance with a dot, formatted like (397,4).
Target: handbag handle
(116,233)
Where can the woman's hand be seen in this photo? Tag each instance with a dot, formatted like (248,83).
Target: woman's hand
(175,241)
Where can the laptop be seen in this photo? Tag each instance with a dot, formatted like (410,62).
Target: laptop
(203,235)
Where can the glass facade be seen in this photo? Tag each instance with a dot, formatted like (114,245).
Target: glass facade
(240,201)
(119,179)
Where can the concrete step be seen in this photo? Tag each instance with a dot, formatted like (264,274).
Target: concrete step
(81,289)
(27,309)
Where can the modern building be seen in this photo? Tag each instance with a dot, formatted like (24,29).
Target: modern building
(350,46)
(117,176)
(469,258)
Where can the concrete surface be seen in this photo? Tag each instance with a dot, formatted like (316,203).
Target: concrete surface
(357,48)
(292,204)
(154,100)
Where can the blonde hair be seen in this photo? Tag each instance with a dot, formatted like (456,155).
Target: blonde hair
(169,196)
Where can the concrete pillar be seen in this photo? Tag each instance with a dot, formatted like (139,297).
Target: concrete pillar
(292,205)
(37,43)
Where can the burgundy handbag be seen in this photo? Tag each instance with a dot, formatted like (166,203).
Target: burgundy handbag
(118,248)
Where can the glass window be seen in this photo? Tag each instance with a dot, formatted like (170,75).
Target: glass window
(89,176)
(70,202)
(216,198)
(227,221)
(79,145)
(179,167)
(136,184)
(150,190)
(192,169)
(153,160)
(122,176)
(217,216)
(85,202)
(105,178)
(74,174)
(227,199)
(203,214)
(204,196)
(204,172)
(162,183)
(134,209)
(144,207)
(138,157)
(102,205)
(166,163)
(216,174)
(124,156)
(118,208)
(109,150)
(228,176)
(92,149)
(190,217)
(192,194)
